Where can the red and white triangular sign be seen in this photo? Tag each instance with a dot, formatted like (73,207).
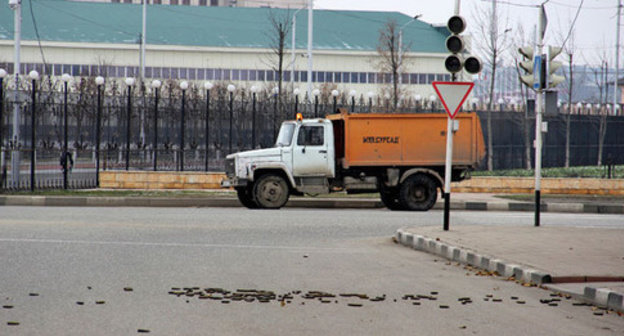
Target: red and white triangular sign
(452,95)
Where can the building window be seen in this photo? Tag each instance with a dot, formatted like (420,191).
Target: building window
(362,76)
(286,76)
(345,77)
(405,78)
(422,79)
(173,2)
(156,72)
(303,75)
(175,73)
(191,73)
(430,78)
(186,2)
(253,75)
(261,75)
(218,74)
(75,70)
(183,73)
(354,77)
(214,3)
(166,73)
(270,75)
(203,2)
(371,77)
(413,78)
(201,74)
(58,69)
(210,74)
(227,74)
(321,77)
(157,2)
(235,74)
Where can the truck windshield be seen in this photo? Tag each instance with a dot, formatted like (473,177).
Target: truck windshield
(284,138)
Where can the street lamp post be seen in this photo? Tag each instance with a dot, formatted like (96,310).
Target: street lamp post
(208,86)
(316,93)
(183,86)
(370,95)
(335,94)
(156,85)
(99,81)
(254,90)
(129,83)
(65,155)
(275,98)
(231,88)
(3,74)
(400,79)
(15,154)
(34,75)
(352,94)
(296,94)
(433,100)
(418,100)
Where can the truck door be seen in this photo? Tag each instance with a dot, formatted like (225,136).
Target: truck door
(310,153)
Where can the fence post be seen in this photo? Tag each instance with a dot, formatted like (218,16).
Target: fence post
(65,78)
(99,81)
(207,86)
(156,85)
(231,88)
(34,75)
(129,83)
(253,117)
(183,86)
(3,74)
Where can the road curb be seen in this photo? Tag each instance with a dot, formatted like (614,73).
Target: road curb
(307,202)
(599,296)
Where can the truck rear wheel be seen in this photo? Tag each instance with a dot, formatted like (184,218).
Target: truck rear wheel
(390,198)
(245,196)
(418,193)
(271,192)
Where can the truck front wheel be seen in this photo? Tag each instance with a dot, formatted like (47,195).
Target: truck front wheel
(390,198)
(418,193)
(271,192)
(245,197)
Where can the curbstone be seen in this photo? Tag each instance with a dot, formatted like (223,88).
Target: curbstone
(590,293)
(473,259)
(518,273)
(485,263)
(539,277)
(615,301)
(602,296)
(453,253)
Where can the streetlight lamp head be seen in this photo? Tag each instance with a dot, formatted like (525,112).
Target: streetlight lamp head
(352,93)
(433,98)
(184,85)
(417,98)
(335,93)
(588,106)
(13,4)
(501,101)
(34,75)
(231,88)
(253,89)
(208,86)
(296,91)
(387,95)
(66,77)
(99,80)
(370,94)
(3,73)
(475,100)
(156,84)
(316,92)
(579,105)
(276,90)
(129,81)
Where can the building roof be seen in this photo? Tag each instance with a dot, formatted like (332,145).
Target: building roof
(70,21)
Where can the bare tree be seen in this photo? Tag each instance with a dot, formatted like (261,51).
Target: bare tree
(569,49)
(280,25)
(391,57)
(524,119)
(488,22)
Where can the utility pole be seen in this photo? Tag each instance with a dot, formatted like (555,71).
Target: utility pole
(142,69)
(617,58)
(15,154)
(310,35)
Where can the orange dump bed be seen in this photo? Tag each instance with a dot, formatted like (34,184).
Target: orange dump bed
(405,139)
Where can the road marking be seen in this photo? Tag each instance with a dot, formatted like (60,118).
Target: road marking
(128,243)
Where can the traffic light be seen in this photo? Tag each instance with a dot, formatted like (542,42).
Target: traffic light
(532,65)
(551,79)
(455,44)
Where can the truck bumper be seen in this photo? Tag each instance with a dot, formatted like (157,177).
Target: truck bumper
(234,182)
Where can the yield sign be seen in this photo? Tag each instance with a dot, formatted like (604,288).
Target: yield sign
(452,95)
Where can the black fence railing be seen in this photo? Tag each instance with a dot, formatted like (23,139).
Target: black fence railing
(135,135)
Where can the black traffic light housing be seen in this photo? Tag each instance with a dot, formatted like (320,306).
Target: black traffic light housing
(455,44)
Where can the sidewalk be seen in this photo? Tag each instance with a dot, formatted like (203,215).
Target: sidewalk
(587,263)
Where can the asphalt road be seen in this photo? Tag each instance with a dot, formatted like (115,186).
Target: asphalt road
(123,271)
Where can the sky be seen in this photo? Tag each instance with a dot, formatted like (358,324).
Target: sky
(594,30)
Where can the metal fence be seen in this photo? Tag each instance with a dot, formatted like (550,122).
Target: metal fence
(194,131)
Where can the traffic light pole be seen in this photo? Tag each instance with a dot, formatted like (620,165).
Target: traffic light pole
(539,108)
(449,157)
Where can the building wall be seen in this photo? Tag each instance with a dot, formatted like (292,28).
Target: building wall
(338,68)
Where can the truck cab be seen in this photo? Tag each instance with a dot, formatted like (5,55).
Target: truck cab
(301,161)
